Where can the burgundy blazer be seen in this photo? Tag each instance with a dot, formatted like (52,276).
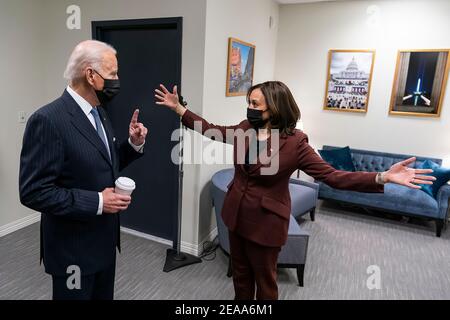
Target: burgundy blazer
(258,206)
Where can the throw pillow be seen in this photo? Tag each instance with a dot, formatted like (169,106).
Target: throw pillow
(340,159)
(441,174)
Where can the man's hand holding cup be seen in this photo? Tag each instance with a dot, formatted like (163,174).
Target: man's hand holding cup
(118,199)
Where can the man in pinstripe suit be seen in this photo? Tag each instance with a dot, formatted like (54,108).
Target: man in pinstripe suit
(69,162)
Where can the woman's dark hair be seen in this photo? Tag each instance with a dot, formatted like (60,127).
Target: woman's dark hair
(284,111)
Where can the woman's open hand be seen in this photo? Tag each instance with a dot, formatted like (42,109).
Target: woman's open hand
(166,98)
(171,100)
(401,174)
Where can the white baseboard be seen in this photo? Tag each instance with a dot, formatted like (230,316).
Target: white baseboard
(19,224)
(145,236)
(186,247)
(210,237)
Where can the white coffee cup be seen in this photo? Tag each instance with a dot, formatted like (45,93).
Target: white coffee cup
(125,186)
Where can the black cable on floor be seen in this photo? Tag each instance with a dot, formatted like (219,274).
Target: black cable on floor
(209,249)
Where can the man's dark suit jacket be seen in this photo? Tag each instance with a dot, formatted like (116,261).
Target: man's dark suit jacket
(258,206)
(63,166)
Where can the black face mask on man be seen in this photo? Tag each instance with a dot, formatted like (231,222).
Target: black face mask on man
(255,117)
(111,89)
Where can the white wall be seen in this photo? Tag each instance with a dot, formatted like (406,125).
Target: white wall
(308,31)
(247,20)
(21,89)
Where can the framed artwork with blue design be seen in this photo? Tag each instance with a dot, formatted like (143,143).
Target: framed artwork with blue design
(419,83)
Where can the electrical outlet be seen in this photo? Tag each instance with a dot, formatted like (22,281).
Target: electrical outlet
(22,117)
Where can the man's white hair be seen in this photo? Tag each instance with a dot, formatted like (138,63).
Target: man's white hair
(86,54)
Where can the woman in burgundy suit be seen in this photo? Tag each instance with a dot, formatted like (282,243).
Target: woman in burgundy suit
(257,206)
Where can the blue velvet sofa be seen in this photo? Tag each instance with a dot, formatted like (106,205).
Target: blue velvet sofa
(396,199)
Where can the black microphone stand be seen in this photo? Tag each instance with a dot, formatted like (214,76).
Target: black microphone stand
(176,259)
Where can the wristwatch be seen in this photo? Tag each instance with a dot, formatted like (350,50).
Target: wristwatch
(380,178)
(182,101)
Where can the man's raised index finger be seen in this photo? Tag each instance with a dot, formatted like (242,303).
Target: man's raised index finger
(134,119)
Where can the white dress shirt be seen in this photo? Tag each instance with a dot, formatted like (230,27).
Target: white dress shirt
(87,108)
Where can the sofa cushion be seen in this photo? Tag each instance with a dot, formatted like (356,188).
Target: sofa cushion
(340,159)
(395,198)
(303,199)
(373,162)
(365,160)
(442,177)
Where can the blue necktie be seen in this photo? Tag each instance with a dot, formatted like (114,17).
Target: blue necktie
(100,132)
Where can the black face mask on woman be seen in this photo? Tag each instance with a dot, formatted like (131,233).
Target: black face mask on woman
(110,90)
(255,117)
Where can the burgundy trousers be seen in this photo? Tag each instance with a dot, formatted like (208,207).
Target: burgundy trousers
(253,265)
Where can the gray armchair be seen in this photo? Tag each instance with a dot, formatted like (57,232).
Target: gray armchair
(304,198)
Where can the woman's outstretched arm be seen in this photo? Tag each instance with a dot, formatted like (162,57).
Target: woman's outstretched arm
(312,164)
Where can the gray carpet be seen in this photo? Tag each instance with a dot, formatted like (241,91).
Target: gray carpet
(344,243)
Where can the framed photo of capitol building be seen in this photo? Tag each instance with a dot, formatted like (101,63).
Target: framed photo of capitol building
(241,63)
(419,82)
(349,79)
